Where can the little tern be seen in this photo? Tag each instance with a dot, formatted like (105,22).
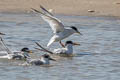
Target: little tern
(59,30)
(21,55)
(44,59)
(67,50)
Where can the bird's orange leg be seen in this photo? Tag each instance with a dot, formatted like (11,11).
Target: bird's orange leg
(62,44)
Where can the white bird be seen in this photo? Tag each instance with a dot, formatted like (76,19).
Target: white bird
(21,55)
(13,54)
(44,59)
(59,31)
(66,51)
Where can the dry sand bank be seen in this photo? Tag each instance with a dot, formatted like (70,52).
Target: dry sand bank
(68,7)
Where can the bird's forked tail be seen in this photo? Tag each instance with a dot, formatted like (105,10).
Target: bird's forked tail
(50,42)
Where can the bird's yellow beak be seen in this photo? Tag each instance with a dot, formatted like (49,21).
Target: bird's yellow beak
(76,43)
(79,33)
(52,59)
(30,51)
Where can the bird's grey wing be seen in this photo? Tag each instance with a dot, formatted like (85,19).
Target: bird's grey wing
(45,10)
(54,23)
(59,50)
(36,62)
(18,57)
(5,46)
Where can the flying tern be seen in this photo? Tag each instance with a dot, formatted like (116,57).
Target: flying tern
(59,30)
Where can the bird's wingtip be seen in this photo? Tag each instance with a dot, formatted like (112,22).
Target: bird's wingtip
(41,6)
(48,45)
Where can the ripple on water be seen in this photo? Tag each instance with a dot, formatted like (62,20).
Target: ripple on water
(97,57)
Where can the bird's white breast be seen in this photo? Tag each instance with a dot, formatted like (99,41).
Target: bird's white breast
(59,50)
(62,35)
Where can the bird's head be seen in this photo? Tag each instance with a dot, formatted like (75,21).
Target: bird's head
(46,56)
(76,30)
(25,49)
(72,43)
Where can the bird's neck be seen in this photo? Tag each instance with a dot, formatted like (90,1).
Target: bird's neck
(69,48)
(72,31)
(45,60)
(25,54)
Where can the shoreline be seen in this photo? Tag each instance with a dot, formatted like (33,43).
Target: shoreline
(88,15)
(96,8)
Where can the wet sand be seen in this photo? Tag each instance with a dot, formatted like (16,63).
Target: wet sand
(67,7)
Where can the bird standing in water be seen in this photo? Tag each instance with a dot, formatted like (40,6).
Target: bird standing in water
(65,51)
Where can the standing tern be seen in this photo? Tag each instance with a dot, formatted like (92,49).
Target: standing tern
(67,50)
(59,31)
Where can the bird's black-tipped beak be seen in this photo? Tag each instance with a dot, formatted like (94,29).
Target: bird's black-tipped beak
(79,33)
(30,51)
(52,59)
(76,44)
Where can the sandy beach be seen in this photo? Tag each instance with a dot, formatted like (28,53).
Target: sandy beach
(67,7)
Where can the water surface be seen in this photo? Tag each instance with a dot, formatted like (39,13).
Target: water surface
(101,40)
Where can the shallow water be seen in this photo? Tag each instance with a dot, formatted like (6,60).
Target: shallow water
(100,40)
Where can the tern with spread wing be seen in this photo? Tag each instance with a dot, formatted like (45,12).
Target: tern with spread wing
(59,30)
(66,51)
(19,55)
